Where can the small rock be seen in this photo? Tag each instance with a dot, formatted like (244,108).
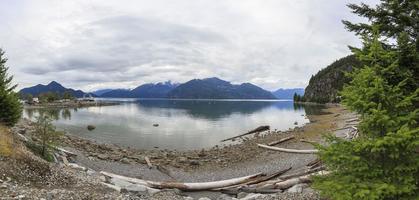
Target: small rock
(252,196)
(136,188)
(297,188)
(183,159)
(155,125)
(194,162)
(187,198)
(103,156)
(242,195)
(225,197)
(91,127)
(125,160)
(90,172)
(204,198)
(152,191)
(295,123)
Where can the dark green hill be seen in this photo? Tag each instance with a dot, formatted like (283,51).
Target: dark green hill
(324,86)
(51,87)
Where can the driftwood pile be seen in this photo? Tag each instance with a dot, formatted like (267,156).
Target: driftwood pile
(256,183)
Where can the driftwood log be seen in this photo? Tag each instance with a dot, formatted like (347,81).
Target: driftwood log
(185,186)
(280,141)
(301,179)
(312,151)
(147,160)
(257,130)
(256,180)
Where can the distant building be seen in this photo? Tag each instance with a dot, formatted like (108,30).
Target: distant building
(87,97)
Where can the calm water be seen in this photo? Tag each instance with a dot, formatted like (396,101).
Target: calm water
(183,124)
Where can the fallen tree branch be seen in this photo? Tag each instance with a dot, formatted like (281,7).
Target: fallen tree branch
(312,151)
(308,141)
(257,130)
(185,186)
(280,141)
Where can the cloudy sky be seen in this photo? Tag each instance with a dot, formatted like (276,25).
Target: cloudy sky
(95,44)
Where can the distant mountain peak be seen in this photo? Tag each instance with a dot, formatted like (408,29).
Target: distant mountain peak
(216,88)
(53,86)
(54,83)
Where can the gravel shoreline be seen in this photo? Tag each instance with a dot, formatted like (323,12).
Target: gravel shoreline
(217,163)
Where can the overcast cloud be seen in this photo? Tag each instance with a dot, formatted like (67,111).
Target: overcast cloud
(100,44)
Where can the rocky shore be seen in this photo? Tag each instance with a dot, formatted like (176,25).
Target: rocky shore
(218,163)
(70,104)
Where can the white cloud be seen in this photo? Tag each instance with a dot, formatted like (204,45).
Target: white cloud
(99,44)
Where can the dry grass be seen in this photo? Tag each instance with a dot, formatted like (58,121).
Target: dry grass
(6,142)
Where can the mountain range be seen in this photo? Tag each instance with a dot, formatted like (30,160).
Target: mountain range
(215,88)
(209,88)
(51,87)
(149,90)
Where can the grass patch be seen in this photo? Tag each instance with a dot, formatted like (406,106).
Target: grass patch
(6,142)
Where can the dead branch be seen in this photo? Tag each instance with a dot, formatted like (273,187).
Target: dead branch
(257,130)
(280,141)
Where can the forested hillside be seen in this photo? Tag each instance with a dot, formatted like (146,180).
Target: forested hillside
(324,86)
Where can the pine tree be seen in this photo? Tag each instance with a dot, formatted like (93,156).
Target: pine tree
(383,163)
(10,107)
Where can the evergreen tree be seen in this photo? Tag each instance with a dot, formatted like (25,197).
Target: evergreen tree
(383,163)
(10,107)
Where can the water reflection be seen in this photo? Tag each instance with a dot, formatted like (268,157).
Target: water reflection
(182,124)
(52,113)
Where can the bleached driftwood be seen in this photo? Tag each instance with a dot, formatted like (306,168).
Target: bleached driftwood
(76,166)
(235,191)
(271,184)
(257,180)
(148,162)
(301,179)
(114,187)
(22,137)
(311,151)
(256,130)
(290,182)
(305,172)
(185,186)
(68,153)
(280,141)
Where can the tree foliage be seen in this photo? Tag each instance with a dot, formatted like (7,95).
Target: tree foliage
(383,163)
(47,134)
(10,107)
